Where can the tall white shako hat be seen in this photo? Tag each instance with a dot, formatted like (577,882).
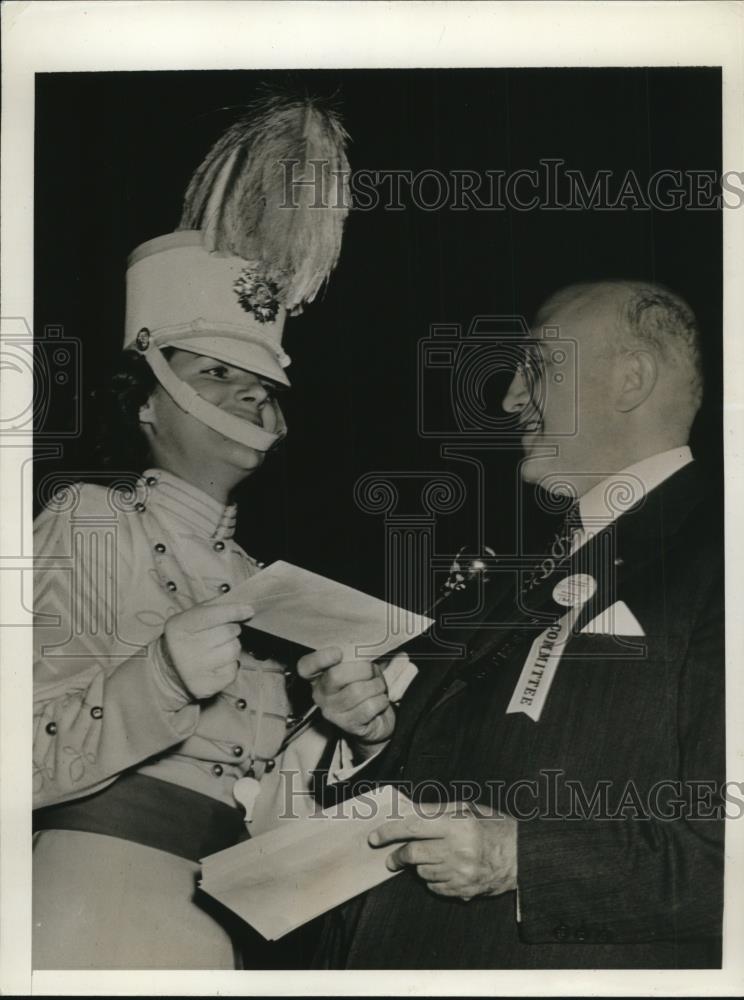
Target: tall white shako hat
(259,236)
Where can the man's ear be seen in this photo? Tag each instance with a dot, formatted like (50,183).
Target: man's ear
(638,374)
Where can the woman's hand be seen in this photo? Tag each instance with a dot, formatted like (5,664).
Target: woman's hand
(202,645)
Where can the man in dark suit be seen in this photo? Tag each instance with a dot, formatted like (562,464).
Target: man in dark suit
(584,723)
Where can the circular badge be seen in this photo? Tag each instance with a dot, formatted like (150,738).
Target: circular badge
(576,589)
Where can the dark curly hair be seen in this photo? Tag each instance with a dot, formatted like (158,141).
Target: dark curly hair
(119,444)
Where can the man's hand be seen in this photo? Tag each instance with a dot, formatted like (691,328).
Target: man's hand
(352,694)
(455,853)
(202,645)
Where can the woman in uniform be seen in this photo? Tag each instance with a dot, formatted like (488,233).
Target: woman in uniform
(152,723)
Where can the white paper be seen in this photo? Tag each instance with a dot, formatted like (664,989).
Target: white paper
(314,611)
(278,881)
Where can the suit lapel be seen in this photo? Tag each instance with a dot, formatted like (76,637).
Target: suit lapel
(625,549)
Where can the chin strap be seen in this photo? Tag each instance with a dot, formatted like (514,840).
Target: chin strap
(242,431)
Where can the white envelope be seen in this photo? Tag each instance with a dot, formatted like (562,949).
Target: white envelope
(617,619)
(314,611)
(281,879)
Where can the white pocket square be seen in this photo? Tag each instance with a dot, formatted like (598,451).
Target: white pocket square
(618,619)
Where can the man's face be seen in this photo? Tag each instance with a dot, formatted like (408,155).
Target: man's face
(180,440)
(563,394)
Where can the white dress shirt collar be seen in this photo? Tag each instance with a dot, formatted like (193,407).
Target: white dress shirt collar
(616,494)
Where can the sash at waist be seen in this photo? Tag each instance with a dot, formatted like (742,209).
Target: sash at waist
(151,812)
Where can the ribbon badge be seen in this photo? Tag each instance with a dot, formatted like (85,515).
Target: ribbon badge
(545,654)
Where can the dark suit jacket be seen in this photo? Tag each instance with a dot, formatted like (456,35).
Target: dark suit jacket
(617,887)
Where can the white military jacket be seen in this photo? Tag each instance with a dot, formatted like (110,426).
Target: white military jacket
(111,568)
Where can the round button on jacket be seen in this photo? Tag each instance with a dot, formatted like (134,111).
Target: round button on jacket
(225,587)
(160,547)
(219,546)
(217,770)
(170,585)
(51,728)
(96,712)
(241,704)
(237,751)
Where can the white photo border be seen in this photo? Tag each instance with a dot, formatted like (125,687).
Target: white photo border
(189,34)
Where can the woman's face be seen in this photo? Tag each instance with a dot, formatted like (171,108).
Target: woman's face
(191,449)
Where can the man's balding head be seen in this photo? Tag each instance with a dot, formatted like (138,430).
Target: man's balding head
(640,315)
(633,391)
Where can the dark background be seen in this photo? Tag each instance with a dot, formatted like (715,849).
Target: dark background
(114,152)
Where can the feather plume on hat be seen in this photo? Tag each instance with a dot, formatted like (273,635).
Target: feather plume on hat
(274,191)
